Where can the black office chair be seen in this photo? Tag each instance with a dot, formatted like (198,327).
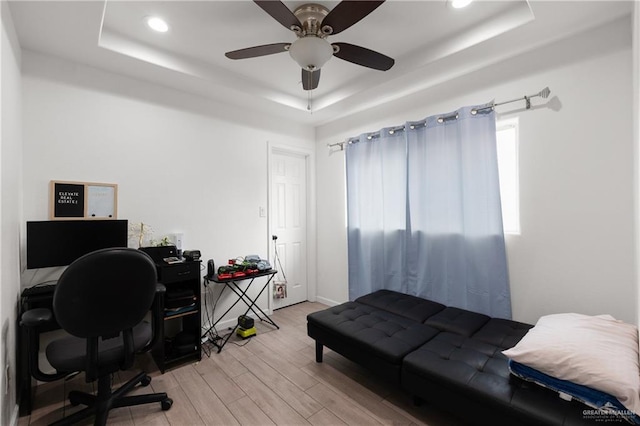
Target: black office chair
(101,299)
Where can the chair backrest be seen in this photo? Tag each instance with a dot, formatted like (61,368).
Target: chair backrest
(105,292)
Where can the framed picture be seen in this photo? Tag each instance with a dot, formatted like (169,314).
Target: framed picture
(279,290)
(83,200)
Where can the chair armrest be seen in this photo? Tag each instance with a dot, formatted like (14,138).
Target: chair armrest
(30,320)
(157,316)
(36,317)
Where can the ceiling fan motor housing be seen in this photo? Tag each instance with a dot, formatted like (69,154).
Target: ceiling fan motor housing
(311,51)
(311,16)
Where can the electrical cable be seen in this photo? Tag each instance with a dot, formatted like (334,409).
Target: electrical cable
(211,333)
(213,312)
(204,347)
(277,258)
(246,342)
(206,309)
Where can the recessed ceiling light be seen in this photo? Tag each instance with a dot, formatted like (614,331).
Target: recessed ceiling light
(459,4)
(157,24)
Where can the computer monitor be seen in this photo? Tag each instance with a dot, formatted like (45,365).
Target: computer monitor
(60,242)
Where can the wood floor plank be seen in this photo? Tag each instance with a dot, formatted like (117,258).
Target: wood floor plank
(271,404)
(340,405)
(236,348)
(417,415)
(222,385)
(274,380)
(248,413)
(277,345)
(228,363)
(367,399)
(357,373)
(287,341)
(325,417)
(210,408)
(295,374)
(182,412)
(164,383)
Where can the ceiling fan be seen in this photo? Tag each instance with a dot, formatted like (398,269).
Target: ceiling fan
(312,23)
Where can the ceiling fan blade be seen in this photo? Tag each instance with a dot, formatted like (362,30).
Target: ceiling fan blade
(310,79)
(279,12)
(255,51)
(363,56)
(347,13)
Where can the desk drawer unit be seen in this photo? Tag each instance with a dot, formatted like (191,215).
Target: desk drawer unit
(178,272)
(180,340)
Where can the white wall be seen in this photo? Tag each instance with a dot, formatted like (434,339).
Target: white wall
(636,138)
(576,250)
(10,211)
(182,163)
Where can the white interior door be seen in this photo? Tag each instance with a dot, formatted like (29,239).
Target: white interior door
(289,224)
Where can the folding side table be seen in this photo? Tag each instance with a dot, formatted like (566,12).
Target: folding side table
(233,284)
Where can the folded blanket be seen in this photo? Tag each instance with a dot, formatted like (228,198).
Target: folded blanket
(605,403)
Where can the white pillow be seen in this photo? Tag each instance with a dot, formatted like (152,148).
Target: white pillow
(595,351)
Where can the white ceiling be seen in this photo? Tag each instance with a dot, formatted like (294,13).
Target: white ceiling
(430,42)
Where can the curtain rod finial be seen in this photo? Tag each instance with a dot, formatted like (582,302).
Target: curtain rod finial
(545,92)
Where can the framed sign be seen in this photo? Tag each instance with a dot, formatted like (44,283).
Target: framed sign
(83,200)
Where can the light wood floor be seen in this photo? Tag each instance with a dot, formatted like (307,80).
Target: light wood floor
(270,379)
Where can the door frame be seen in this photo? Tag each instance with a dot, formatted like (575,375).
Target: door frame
(309,157)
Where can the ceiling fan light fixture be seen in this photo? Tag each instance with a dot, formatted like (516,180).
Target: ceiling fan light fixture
(157,24)
(311,52)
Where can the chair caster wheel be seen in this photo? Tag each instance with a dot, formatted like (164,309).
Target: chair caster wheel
(166,404)
(145,381)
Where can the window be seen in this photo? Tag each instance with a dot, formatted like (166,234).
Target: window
(507,143)
(507,146)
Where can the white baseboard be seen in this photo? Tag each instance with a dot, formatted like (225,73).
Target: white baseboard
(327,302)
(226,324)
(14,416)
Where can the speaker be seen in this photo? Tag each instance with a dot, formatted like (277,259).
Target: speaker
(211,269)
(176,239)
(191,254)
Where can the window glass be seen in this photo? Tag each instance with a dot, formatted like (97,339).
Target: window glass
(507,143)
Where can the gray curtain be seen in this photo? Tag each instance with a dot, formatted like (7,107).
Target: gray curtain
(424,213)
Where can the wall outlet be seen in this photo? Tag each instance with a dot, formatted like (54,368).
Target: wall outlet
(262,211)
(176,239)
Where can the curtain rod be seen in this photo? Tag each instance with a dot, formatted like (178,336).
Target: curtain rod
(544,93)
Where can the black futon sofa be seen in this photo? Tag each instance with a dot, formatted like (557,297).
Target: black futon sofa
(449,357)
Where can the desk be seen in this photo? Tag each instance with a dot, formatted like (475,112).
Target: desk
(232,283)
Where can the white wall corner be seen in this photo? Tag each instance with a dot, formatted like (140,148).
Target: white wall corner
(636,147)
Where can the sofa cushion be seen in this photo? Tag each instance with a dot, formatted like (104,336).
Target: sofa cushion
(452,370)
(473,366)
(405,305)
(502,333)
(375,332)
(457,321)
